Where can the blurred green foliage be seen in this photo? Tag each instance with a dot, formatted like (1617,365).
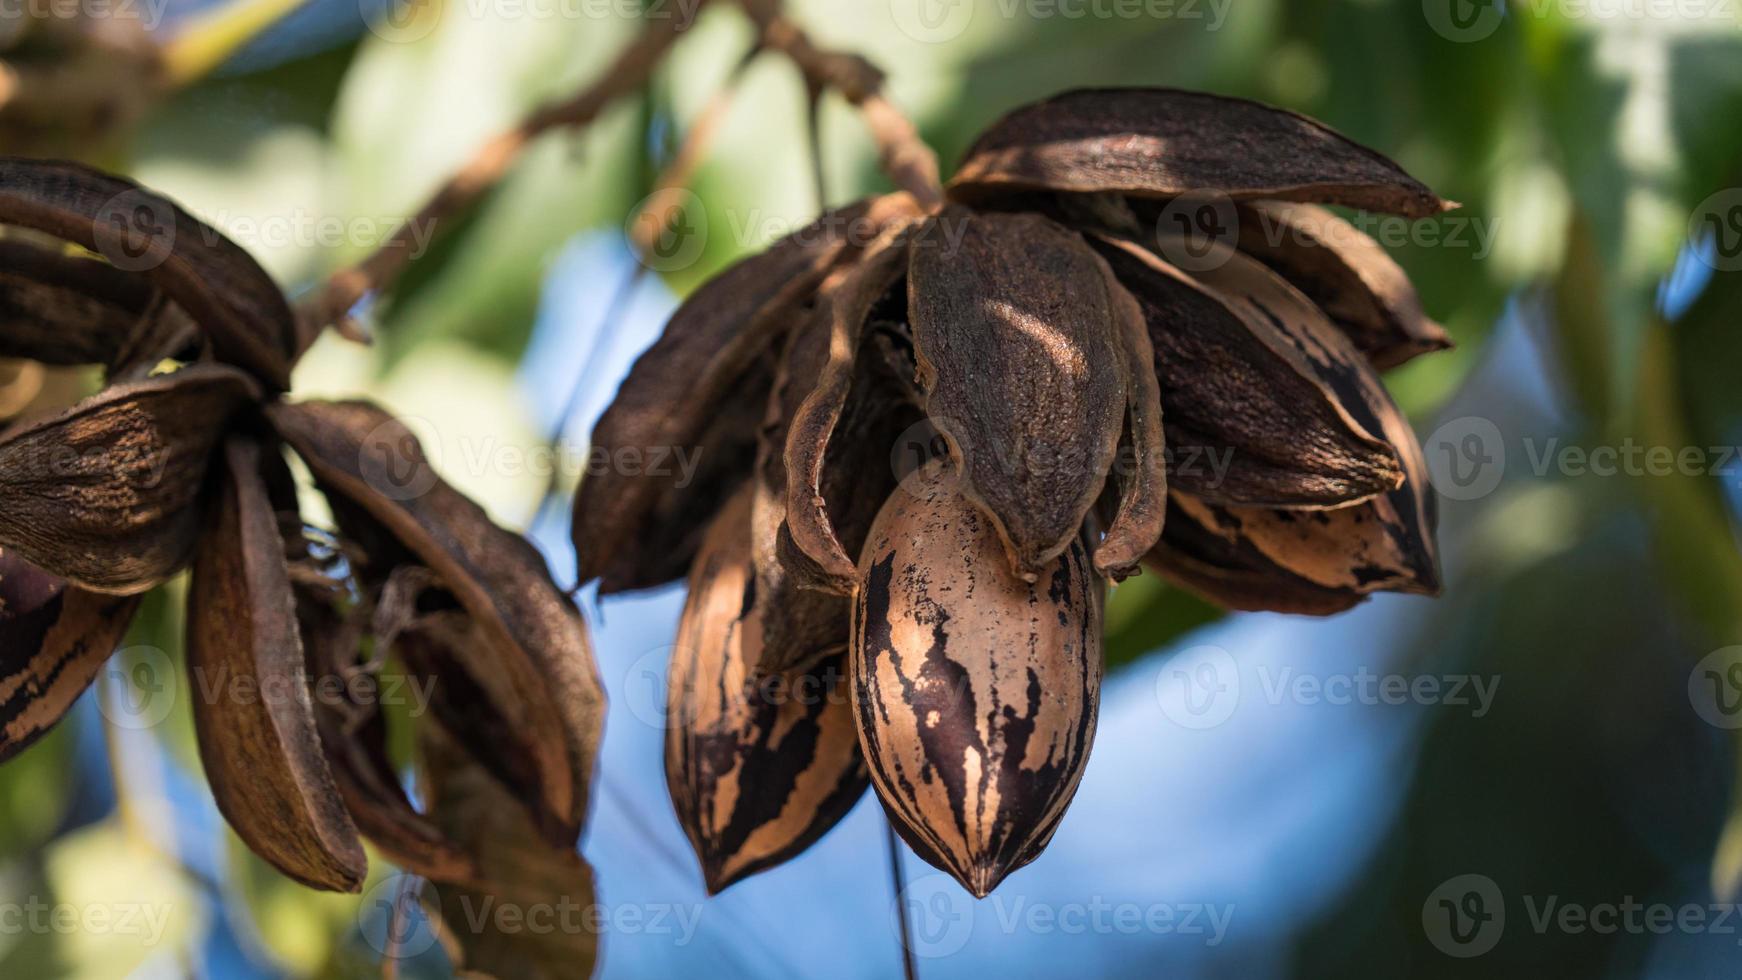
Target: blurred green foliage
(1579,147)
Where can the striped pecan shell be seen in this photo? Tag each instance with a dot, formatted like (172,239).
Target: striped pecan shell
(976,691)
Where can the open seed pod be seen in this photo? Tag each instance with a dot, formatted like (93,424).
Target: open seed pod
(976,690)
(758,769)
(1105,392)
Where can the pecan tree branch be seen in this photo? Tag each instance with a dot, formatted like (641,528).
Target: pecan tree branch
(903,155)
(629,72)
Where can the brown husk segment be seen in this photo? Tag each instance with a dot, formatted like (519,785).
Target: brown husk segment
(65,309)
(262,754)
(803,616)
(1137,524)
(798,625)
(1020,360)
(1343,270)
(522,870)
(1233,390)
(1384,544)
(54,639)
(758,770)
(535,634)
(1168,142)
(809,442)
(353,734)
(704,366)
(976,692)
(219,284)
(672,527)
(106,493)
(1227,570)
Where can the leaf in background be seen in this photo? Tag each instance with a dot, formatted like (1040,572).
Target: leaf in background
(1611,101)
(413,109)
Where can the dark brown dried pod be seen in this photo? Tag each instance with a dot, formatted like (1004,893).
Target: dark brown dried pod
(1248,419)
(353,734)
(1168,142)
(813,425)
(758,769)
(1231,572)
(54,639)
(1343,270)
(1020,360)
(1384,543)
(225,291)
(534,633)
(803,616)
(976,691)
(262,752)
(66,309)
(105,494)
(714,359)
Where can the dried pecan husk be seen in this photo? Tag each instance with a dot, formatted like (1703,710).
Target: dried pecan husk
(976,691)
(758,769)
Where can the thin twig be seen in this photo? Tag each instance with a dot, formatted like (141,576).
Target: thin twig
(626,74)
(656,213)
(898,879)
(903,155)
